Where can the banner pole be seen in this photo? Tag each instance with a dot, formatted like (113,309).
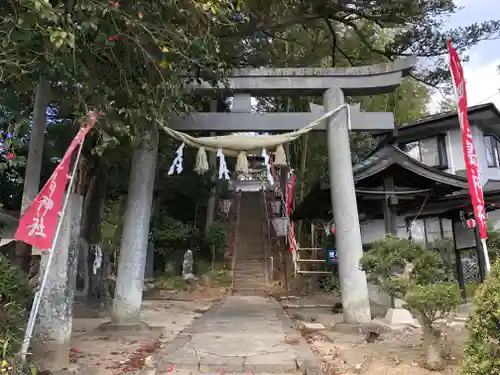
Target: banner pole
(487,264)
(38,295)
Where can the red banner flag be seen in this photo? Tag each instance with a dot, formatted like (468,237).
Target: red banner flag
(471,160)
(38,224)
(290,185)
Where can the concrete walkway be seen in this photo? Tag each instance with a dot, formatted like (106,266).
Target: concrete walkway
(241,334)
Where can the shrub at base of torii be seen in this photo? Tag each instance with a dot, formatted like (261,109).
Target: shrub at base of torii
(15,301)
(420,278)
(482,353)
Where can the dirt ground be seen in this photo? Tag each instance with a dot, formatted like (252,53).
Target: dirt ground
(95,351)
(344,348)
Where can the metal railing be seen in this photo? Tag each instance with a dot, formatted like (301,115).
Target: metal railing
(266,231)
(236,235)
(298,260)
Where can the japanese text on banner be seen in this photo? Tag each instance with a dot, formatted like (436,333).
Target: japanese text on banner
(471,161)
(38,224)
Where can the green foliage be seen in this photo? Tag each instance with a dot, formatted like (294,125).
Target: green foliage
(428,286)
(170,234)
(15,301)
(128,59)
(111,225)
(432,301)
(170,282)
(219,276)
(386,256)
(493,243)
(332,284)
(446,248)
(402,28)
(216,239)
(482,353)
(328,242)
(418,276)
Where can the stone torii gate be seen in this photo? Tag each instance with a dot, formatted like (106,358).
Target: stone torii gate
(332,84)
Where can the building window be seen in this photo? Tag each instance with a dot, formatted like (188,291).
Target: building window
(429,151)
(491,145)
(427,231)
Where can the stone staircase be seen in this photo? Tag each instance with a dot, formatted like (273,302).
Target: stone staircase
(249,268)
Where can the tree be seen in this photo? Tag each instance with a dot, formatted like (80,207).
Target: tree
(420,278)
(129,60)
(448,104)
(414,29)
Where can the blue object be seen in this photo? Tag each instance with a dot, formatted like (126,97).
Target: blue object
(331,257)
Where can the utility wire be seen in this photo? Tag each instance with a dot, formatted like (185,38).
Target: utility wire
(489,97)
(407,192)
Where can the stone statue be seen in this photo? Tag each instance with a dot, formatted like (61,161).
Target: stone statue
(187,266)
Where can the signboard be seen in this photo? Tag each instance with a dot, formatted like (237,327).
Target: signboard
(331,257)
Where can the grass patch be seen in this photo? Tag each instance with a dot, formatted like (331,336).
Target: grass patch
(219,276)
(470,289)
(168,282)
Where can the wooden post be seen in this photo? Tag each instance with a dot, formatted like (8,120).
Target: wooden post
(390,216)
(458,264)
(480,255)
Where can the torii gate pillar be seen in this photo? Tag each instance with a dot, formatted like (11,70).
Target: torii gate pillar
(353,284)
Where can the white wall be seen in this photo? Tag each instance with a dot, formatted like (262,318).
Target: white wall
(375,229)
(455,152)
(456,160)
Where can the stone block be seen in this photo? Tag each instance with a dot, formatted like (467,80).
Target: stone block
(399,317)
(274,363)
(216,363)
(311,326)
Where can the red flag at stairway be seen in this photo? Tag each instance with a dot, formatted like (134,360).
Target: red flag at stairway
(471,161)
(37,226)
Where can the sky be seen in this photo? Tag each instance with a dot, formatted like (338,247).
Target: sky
(482,77)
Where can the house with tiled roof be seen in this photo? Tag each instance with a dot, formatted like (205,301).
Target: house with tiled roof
(414,183)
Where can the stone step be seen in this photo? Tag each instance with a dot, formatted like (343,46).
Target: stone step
(244,287)
(243,268)
(253,239)
(256,282)
(249,275)
(248,258)
(251,249)
(244,249)
(250,252)
(249,263)
(249,292)
(245,275)
(250,281)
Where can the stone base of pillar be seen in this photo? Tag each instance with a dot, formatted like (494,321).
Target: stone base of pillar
(51,356)
(128,328)
(395,317)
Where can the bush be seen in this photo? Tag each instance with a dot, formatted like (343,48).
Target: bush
(482,353)
(15,301)
(215,239)
(421,278)
(493,243)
